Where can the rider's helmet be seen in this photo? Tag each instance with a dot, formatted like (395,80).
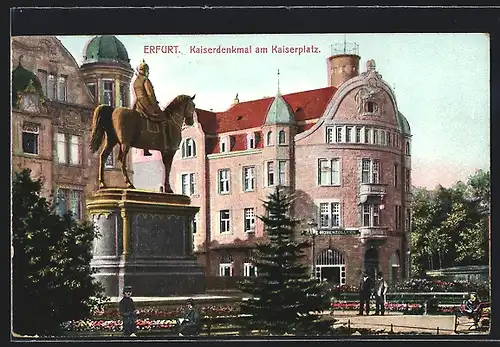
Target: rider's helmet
(143,68)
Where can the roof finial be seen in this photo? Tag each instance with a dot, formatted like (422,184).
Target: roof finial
(236,100)
(279,81)
(345,43)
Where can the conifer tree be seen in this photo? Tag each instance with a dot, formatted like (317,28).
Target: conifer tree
(284,298)
(51,275)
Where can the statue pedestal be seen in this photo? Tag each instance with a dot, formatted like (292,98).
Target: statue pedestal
(145,242)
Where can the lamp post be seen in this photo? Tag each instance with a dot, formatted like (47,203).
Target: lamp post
(312,232)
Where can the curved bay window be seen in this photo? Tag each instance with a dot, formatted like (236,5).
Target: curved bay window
(330,266)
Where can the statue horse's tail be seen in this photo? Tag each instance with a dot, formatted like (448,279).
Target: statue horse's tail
(100,123)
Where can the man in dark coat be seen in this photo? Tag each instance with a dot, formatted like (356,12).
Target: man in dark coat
(472,308)
(190,323)
(365,291)
(127,311)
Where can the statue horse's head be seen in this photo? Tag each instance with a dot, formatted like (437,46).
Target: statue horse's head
(182,106)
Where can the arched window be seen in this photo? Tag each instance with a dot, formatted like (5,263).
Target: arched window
(281,137)
(269,138)
(330,266)
(407,149)
(188,148)
(226,265)
(394,266)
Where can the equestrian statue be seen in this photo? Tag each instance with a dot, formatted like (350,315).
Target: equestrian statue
(144,126)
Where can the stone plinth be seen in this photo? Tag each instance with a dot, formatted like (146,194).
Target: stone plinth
(145,242)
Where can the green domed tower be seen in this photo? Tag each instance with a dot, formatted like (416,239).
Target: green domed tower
(106,70)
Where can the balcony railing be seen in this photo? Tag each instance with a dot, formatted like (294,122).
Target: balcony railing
(373,232)
(372,189)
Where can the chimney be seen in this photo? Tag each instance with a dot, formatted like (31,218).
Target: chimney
(343,64)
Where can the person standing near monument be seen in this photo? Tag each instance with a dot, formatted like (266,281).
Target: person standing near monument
(365,291)
(127,311)
(380,291)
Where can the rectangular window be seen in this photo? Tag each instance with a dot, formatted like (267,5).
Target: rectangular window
(188,148)
(74,148)
(30,138)
(370,171)
(348,134)
(330,135)
(407,220)
(358,134)
(224,181)
(329,213)
(407,181)
(249,219)
(376,136)
(389,139)
(396,175)
(70,200)
(62,88)
(107,93)
(61,148)
(396,217)
(249,178)
(282,172)
(368,135)
(123,95)
(52,87)
(188,184)
(270,173)
(224,219)
(249,270)
(250,141)
(371,215)
(396,140)
(225,269)
(93,90)
(329,172)
(338,134)
(43,77)
(382,138)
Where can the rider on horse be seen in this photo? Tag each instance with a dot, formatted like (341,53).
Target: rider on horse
(145,98)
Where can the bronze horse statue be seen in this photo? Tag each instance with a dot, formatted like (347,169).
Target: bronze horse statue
(128,128)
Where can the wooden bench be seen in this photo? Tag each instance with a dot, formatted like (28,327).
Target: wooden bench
(472,324)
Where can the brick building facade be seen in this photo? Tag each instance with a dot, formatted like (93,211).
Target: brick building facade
(51,122)
(343,150)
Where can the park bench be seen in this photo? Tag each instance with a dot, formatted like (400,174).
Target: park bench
(464,318)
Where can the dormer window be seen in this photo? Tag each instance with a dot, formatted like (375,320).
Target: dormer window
(251,141)
(269,138)
(281,137)
(224,144)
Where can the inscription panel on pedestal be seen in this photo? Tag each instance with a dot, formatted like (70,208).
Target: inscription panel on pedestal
(108,227)
(154,235)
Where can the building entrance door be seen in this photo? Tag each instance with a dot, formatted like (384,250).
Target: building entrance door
(330,265)
(371,262)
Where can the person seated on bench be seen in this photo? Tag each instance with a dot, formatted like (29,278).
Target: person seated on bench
(190,323)
(473,308)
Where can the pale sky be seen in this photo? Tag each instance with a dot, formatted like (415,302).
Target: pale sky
(441,83)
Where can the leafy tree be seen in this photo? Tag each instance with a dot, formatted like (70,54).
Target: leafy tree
(52,277)
(450,225)
(284,297)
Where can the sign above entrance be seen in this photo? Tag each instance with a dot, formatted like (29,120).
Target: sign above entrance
(338,232)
